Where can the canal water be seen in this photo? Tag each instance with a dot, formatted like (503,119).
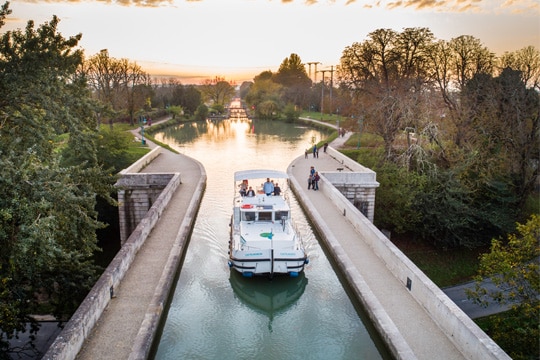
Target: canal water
(216,314)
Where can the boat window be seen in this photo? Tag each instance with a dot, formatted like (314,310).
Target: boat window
(248,216)
(281,214)
(265,216)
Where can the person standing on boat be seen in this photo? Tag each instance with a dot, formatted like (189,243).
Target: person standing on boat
(243,187)
(268,187)
(277,190)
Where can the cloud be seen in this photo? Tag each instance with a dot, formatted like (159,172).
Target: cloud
(454,6)
(141,3)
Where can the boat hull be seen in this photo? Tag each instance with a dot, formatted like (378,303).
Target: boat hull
(268,262)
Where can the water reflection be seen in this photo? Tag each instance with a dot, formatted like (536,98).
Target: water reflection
(217,314)
(269,296)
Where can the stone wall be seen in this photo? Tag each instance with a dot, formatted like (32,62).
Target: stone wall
(354,181)
(136,195)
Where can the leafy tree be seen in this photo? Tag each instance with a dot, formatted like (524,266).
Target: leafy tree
(513,266)
(291,113)
(175,111)
(293,77)
(454,215)
(47,210)
(191,100)
(265,90)
(201,113)
(268,109)
(217,91)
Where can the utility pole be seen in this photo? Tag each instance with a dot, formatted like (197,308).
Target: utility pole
(322,90)
(331,71)
(313,63)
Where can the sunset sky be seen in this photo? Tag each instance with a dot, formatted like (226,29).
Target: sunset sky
(238,39)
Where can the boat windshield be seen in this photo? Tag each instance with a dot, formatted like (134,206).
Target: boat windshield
(265,216)
(282,214)
(248,216)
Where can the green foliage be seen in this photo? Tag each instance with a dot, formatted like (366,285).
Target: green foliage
(117,149)
(398,191)
(514,269)
(202,113)
(515,331)
(268,110)
(293,77)
(449,217)
(48,220)
(263,90)
(396,194)
(291,113)
(444,267)
(175,111)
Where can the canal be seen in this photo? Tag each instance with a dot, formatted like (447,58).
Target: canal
(216,314)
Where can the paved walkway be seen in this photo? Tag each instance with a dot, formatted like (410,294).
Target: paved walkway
(422,334)
(117,329)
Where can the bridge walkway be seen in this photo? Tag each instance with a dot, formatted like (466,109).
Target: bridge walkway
(121,323)
(418,329)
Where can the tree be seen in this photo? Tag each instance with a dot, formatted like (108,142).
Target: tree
(387,74)
(264,89)
(504,130)
(527,61)
(138,91)
(47,209)
(118,84)
(201,113)
(513,267)
(453,65)
(293,77)
(217,91)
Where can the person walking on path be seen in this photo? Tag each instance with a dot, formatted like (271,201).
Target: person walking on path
(315,181)
(315,151)
(310,178)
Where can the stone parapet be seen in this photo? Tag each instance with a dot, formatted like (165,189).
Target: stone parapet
(136,195)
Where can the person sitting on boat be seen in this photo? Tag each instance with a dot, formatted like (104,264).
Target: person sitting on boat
(277,190)
(268,187)
(250,192)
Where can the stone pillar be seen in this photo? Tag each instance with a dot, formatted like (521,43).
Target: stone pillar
(358,187)
(136,195)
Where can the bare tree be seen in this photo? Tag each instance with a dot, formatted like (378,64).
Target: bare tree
(218,91)
(387,73)
(115,83)
(453,64)
(527,61)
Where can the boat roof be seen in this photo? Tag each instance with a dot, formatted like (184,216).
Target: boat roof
(259,174)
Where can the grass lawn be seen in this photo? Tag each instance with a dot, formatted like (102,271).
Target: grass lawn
(443,267)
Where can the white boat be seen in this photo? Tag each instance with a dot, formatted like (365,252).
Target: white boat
(263,239)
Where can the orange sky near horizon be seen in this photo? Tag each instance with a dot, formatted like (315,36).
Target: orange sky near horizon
(238,39)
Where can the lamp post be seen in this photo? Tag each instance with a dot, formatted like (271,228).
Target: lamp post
(360,126)
(337,121)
